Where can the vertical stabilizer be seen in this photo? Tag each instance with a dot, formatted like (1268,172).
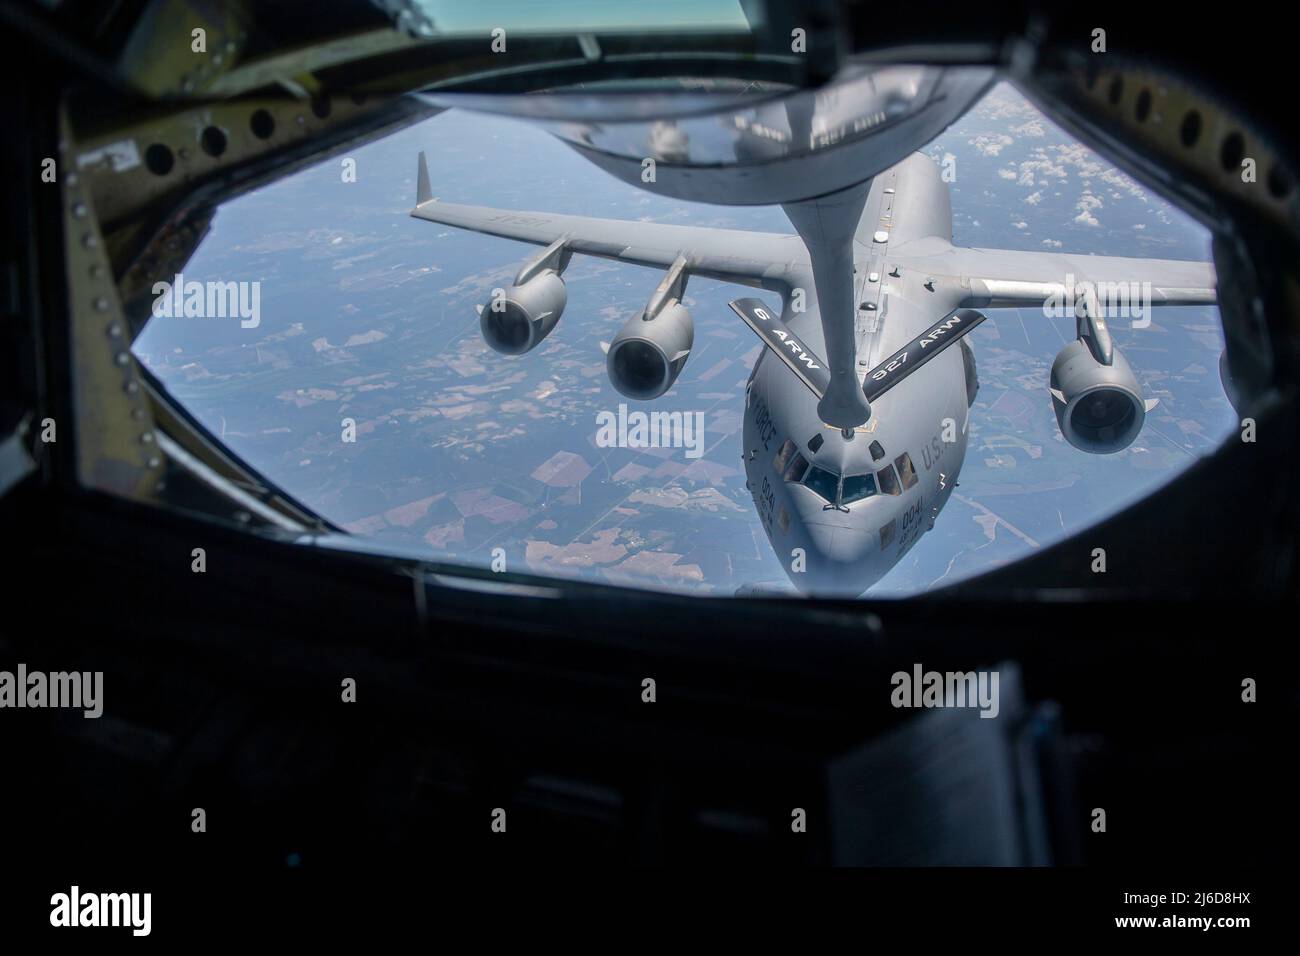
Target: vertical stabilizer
(423,192)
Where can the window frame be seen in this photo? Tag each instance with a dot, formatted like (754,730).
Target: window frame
(893,480)
(911,469)
(875,488)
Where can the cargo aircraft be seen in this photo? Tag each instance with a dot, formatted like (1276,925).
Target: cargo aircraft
(857,412)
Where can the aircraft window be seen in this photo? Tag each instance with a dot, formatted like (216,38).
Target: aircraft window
(888,479)
(877,451)
(797,468)
(815,443)
(825,483)
(905,470)
(783,457)
(857,487)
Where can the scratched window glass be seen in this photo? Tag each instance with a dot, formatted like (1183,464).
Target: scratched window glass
(441,384)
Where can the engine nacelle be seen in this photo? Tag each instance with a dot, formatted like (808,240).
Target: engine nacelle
(1099,407)
(647,355)
(516,322)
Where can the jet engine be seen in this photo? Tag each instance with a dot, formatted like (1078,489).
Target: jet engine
(1099,407)
(649,352)
(516,322)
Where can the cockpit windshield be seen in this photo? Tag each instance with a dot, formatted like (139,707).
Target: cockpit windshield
(829,485)
(857,487)
(824,483)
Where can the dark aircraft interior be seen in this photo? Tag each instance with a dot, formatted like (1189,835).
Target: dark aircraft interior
(476,691)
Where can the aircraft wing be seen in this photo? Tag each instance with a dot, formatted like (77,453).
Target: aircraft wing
(1006,278)
(726,254)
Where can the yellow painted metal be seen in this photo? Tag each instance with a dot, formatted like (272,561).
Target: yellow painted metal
(117,449)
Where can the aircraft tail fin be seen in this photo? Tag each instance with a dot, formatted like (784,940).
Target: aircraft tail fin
(423,191)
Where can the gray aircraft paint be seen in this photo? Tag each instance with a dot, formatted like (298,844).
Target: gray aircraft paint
(843,551)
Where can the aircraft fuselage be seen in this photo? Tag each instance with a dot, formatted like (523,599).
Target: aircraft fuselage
(841,511)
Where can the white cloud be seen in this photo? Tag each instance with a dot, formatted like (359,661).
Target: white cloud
(1041,165)
(1086,204)
(1084,160)
(1122,183)
(1034,198)
(991,144)
(1021,225)
(1054,243)
(1003,102)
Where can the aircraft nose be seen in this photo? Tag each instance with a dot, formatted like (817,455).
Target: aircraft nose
(836,544)
(842,556)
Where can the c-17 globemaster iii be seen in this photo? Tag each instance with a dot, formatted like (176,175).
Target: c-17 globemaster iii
(845,484)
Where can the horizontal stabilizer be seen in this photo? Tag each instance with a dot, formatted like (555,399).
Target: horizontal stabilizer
(919,351)
(803,361)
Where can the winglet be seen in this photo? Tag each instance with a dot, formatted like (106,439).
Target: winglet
(423,191)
